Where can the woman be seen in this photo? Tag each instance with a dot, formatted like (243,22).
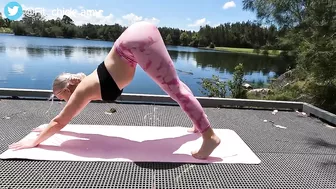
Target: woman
(142,44)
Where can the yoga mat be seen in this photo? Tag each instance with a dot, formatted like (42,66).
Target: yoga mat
(133,144)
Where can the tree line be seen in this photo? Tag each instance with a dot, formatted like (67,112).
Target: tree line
(240,34)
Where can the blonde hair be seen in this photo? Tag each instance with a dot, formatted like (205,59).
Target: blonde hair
(64,80)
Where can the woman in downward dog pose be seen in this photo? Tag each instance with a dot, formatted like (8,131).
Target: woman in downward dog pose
(142,44)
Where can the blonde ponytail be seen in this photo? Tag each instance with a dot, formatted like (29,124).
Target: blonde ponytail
(62,81)
(65,79)
(74,79)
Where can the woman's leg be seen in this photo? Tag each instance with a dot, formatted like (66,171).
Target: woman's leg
(142,43)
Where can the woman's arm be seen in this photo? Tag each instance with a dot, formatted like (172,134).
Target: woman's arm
(76,103)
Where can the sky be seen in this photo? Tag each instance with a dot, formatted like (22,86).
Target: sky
(182,14)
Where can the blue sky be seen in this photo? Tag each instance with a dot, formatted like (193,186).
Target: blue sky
(183,14)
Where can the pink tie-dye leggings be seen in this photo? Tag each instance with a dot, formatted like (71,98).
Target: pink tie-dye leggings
(141,43)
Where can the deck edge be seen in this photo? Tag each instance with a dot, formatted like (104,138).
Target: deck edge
(17,93)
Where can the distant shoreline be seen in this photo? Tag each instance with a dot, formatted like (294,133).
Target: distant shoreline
(220,49)
(6,30)
(57,37)
(244,51)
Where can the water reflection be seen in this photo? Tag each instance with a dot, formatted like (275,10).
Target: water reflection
(34,62)
(67,52)
(18,68)
(73,54)
(2,48)
(208,61)
(226,62)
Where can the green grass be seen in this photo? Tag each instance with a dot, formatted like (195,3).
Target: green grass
(248,51)
(5,30)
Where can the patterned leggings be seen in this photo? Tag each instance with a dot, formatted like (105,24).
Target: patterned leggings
(142,44)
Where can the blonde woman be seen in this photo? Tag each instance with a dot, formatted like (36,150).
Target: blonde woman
(141,44)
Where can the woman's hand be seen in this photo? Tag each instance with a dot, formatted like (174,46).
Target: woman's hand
(24,143)
(76,103)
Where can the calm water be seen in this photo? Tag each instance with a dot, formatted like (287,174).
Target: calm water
(34,62)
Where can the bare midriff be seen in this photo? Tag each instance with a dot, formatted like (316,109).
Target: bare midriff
(121,72)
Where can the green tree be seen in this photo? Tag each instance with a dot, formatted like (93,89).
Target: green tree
(6,23)
(194,40)
(67,20)
(2,22)
(18,28)
(236,84)
(33,23)
(169,40)
(68,30)
(317,47)
(213,87)
(56,31)
(317,53)
(184,38)
(287,13)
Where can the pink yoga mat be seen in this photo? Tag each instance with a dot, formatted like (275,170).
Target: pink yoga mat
(133,144)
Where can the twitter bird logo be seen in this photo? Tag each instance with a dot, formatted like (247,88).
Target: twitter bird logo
(13,10)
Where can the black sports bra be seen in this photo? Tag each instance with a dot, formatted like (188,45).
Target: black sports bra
(108,87)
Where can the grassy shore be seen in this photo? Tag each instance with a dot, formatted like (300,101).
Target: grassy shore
(247,51)
(5,30)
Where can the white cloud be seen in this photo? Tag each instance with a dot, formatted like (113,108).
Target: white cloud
(200,22)
(229,4)
(132,18)
(153,20)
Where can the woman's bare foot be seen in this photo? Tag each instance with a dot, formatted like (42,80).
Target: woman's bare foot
(210,142)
